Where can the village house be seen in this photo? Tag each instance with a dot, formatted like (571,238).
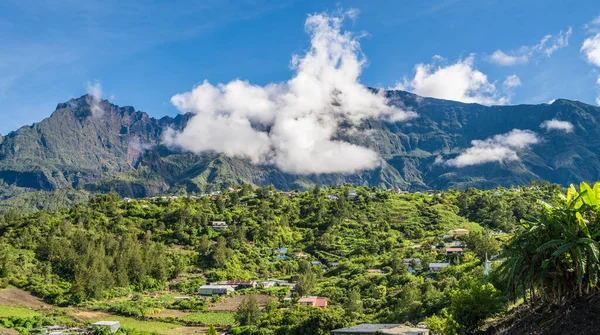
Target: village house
(334,264)
(216,289)
(332,197)
(240,284)
(313,302)
(389,329)
(281,254)
(412,264)
(300,254)
(182,297)
(219,225)
(268,283)
(375,271)
(454,251)
(353,195)
(315,263)
(113,325)
(437,267)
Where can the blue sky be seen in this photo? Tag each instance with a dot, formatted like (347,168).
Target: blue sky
(145,52)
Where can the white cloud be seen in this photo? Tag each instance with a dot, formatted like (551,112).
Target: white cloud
(500,58)
(291,124)
(94,91)
(593,26)
(551,101)
(591,49)
(459,81)
(555,124)
(512,81)
(498,148)
(547,45)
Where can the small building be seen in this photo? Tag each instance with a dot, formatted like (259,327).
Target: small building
(332,197)
(182,297)
(389,329)
(334,264)
(281,254)
(300,254)
(267,283)
(375,271)
(460,232)
(454,251)
(216,289)
(437,267)
(219,225)
(353,195)
(240,284)
(412,264)
(315,263)
(313,302)
(113,325)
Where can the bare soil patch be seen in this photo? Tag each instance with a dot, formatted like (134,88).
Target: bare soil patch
(21,298)
(575,317)
(6,331)
(85,315)
(231,304)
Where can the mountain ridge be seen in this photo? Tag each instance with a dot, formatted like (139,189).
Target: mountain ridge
(121,150)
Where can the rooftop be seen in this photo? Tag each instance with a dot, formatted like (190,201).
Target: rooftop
(438,264)
(315,301)
(368,328)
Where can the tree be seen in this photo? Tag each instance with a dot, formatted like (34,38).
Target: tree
(482,244)
(102,330)
(305,283)
(221,252)
(211,330)
(353,305)
(470,307)
(248,312)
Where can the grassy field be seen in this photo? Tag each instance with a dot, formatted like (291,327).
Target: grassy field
(148,326)
(22,312)
(211,318)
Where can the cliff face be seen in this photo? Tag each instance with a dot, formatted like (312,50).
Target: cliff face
(119,150)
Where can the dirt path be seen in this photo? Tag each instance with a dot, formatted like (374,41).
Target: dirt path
(18,297)
(230,304)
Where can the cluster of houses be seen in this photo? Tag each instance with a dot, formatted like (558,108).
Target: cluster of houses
(64,330)
(229,286)
(389,329)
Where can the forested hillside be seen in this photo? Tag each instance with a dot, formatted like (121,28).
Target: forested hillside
(347,244)
(121,150)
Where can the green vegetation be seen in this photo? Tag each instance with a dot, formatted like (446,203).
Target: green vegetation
(555,257)
(142,325)
(368,254)
(19,312)
(211,318)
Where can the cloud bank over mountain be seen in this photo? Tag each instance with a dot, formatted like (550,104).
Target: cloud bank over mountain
(294,124)
(498,148)
(459,81)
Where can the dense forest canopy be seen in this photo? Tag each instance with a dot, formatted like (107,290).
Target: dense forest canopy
(325,240)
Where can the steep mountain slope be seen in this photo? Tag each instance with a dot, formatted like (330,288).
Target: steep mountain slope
(120,150)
